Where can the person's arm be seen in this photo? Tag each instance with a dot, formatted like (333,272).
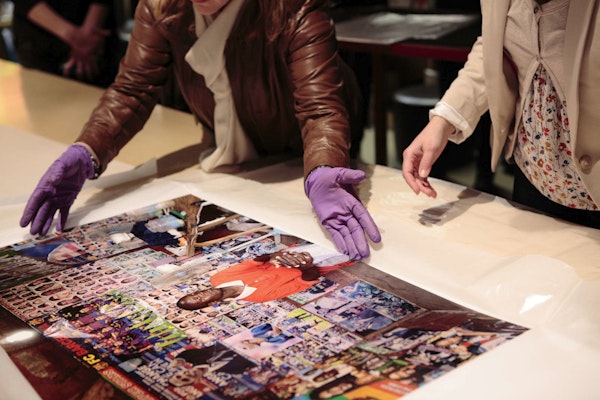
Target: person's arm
(122,111)
(455,116)
(323,117)
(300,260)
(127,104)
(466,99)
(96,16)
(44,16)
(316,77)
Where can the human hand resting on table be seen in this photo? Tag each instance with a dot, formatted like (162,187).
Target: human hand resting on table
(57,190)
(425,149)
(331,192)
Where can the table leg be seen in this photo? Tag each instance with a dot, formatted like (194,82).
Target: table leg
(3,46)
(379,109)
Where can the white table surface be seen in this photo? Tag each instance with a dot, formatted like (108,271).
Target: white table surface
(469,247)
(482,253)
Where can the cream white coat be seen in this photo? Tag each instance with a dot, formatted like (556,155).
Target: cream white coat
(487,82)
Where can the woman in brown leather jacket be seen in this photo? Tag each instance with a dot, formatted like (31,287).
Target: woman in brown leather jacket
(262,75)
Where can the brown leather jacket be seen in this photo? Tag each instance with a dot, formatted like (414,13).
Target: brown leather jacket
(289,95)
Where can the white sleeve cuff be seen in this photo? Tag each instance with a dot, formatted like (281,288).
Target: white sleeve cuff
(447,112)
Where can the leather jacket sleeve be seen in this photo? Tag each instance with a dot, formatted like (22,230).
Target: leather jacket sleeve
(316,76)
(127,104)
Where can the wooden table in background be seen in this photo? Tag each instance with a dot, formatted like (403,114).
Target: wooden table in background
(57,108)
(454,46)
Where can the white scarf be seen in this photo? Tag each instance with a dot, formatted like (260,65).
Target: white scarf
(207,58)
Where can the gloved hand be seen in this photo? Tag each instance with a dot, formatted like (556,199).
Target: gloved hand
(57,190)
(340,211)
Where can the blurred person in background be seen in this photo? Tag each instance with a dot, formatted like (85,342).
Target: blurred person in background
(73,38)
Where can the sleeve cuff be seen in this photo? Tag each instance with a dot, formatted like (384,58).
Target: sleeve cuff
(447,112)
(94,157)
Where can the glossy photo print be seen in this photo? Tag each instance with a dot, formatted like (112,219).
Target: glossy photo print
(185,299)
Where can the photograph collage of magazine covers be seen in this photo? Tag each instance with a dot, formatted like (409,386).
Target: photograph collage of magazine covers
(185,299)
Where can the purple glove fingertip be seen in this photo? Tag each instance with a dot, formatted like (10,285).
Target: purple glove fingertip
(47,223)
(38,219)
(367,223)
(344,246)
(62,220)
(57,189)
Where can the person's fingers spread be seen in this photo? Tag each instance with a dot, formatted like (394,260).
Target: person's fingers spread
(39,220)
(32,208)
(47,225)
(43,219)
(338,240)
(62,220)
(288,260)
(343,231)
(79,71)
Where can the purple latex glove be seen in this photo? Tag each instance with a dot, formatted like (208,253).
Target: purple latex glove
(57,190)
(340,211)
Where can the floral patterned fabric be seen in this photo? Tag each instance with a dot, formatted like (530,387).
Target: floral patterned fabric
(543,151)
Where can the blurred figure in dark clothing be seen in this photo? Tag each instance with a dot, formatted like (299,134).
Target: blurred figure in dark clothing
(73,38)
(361,64)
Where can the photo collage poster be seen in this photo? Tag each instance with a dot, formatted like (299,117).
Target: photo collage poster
(185,299)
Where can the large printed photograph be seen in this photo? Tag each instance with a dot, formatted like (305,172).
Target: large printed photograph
(185,299)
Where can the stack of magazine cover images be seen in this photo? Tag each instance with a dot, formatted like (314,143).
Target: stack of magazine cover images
(185,299)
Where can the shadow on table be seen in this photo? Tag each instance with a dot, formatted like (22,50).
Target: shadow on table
(442,214)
